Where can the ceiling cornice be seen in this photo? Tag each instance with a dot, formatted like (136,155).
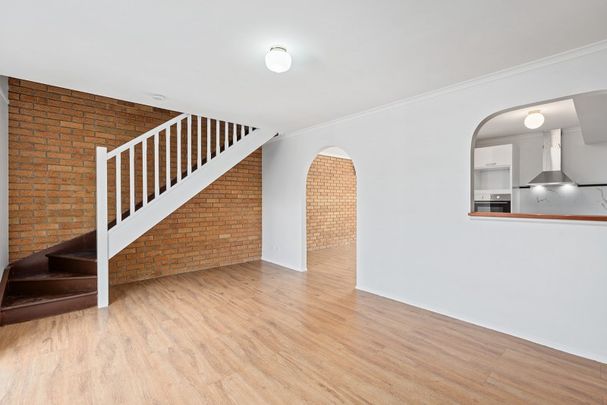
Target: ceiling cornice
(512,71)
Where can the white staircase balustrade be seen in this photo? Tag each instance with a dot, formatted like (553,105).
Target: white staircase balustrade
(206,161)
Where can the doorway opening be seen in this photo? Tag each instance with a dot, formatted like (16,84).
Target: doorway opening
(331,218)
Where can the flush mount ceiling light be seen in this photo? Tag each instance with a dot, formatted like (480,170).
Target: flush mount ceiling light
(534,120)
(278,59)
(158,97)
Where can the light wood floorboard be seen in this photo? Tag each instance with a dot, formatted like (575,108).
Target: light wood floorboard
(257,333)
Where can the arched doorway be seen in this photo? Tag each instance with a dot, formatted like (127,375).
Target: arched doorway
(331,218)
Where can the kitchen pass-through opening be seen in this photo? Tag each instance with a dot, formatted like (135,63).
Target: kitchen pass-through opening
(546,160)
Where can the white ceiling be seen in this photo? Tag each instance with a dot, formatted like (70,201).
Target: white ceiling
(559,114)
(348,55)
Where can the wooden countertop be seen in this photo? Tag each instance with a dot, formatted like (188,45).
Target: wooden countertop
(600,218)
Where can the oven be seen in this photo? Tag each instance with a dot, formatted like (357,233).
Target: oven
(494,203)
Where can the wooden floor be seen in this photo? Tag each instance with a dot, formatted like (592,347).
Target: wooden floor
(256,333)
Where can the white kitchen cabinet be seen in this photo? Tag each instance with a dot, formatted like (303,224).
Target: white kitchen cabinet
(493,157)
(494,173)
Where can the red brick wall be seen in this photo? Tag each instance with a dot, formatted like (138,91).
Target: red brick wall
(220,226)
(330,203)
(52,137)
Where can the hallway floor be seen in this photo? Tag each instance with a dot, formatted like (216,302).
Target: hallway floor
(257,333)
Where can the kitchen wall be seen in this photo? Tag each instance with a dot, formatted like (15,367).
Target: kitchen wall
(563,200)
(3,173)
(584,163)
(540,280)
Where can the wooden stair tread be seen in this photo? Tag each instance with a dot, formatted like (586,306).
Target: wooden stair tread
(27,300)
(52,275)
(63,277)
(88,255)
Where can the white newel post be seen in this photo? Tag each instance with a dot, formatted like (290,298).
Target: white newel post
(102,241)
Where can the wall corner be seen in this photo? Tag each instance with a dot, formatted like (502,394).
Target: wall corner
(3,173)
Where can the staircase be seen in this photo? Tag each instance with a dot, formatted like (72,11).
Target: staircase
(166,167)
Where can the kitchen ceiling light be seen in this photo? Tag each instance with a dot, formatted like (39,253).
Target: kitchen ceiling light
(278,59)
(158,97)
(534,120)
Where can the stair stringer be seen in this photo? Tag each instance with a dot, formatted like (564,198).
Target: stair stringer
(158,209)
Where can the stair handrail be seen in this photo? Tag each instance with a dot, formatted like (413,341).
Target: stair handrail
(227,132)
(125,146)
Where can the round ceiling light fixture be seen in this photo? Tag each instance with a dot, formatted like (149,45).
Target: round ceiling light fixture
(158,97)
(534,119)
(278,59)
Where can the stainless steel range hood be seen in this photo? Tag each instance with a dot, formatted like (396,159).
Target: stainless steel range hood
(552,175)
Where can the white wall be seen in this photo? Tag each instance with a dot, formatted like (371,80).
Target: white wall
(543,281)
(3,173)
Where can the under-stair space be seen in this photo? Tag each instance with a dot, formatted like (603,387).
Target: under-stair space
(150,176)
